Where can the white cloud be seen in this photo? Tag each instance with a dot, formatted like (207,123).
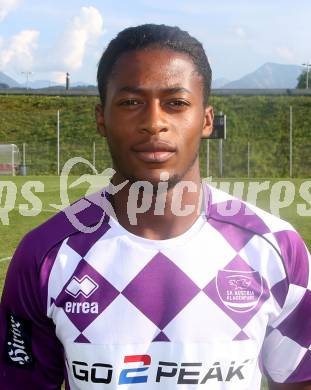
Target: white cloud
(7,6)
(83,30)
(77,42)
(19,50)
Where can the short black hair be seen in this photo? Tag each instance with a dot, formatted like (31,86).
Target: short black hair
(153,35)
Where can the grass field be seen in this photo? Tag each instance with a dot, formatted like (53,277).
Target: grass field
(263,121)
(18,225)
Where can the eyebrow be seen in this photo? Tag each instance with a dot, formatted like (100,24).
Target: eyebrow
(170,91)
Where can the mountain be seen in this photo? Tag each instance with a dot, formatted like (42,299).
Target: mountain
(39,84)
(269,75)
(35,84)
(49,84)
(79,84)
(219,83)
(8,80)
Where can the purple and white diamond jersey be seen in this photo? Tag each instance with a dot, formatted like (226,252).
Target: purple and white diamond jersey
(213,308)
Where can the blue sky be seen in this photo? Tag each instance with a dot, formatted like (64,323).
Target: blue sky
(50,38)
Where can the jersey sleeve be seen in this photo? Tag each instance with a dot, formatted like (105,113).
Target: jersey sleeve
(287,348)
(31,356)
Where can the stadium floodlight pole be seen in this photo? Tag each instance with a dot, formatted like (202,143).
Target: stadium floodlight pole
(67,81)
(207,158)
(290,141)
(248,158)
(307,75)
(13,162)
(220,156)
(94,154)
(58,165)
(24,153)
(220,145)
(27,74)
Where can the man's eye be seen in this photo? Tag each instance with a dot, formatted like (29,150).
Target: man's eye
(129,102)
(178,103)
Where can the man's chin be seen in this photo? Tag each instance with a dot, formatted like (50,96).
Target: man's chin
(171,181)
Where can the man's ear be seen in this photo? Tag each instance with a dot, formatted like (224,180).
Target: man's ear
(100,120)
(208,122)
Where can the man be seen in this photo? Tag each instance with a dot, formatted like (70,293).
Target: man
(180,286)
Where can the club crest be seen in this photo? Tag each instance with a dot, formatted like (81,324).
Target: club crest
(239,291)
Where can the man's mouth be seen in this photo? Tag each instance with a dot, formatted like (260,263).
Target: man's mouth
(157,156)
(157,152)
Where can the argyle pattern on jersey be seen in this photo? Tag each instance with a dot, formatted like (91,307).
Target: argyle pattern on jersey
(242,273)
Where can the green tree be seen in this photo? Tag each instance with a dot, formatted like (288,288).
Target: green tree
(302,80)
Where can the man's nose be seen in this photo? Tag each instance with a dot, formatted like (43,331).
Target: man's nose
(154,119)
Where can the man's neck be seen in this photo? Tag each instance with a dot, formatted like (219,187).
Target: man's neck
(160,215)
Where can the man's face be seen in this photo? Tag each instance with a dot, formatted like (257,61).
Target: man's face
(154,116)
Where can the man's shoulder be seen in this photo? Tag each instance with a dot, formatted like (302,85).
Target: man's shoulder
(229,209)
(77,218)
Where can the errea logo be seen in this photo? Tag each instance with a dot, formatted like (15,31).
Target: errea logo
(81,307)
(85,286)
